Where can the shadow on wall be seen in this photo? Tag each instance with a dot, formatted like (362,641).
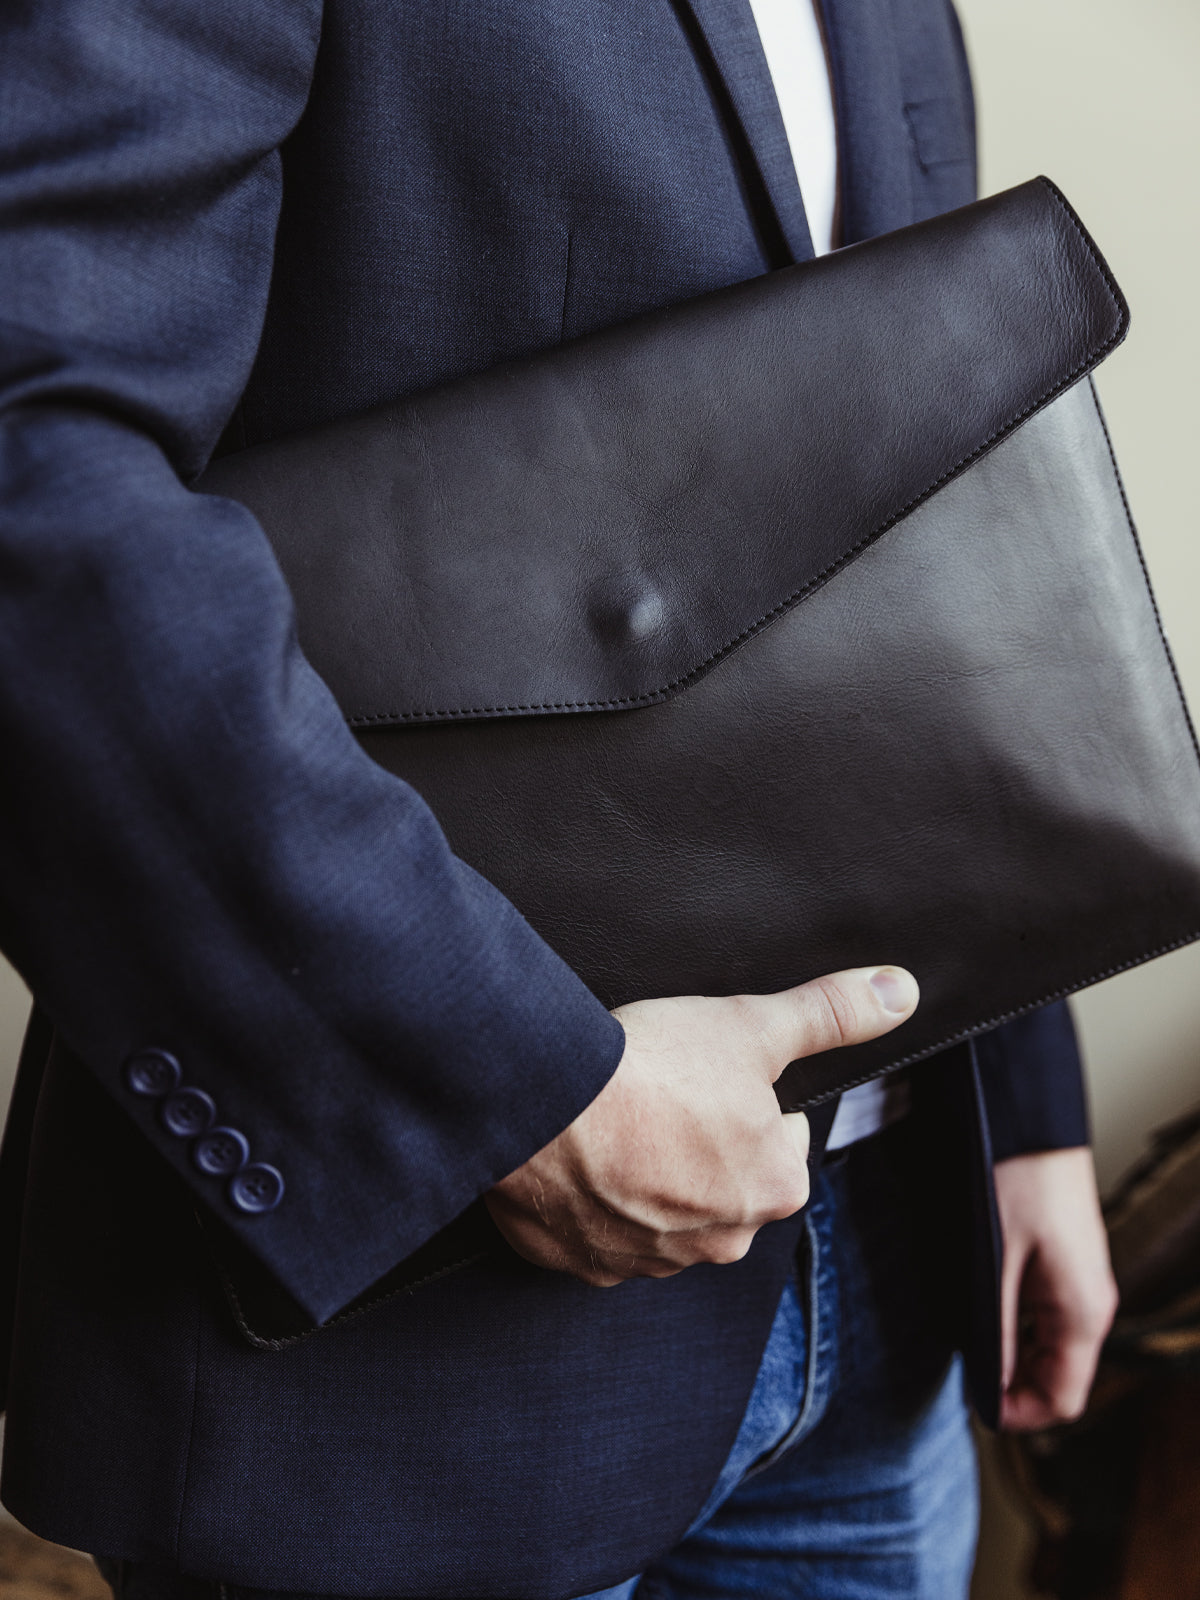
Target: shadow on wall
(14,1010)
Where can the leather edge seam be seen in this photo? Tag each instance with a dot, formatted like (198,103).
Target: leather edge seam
(1064,992)
(1150,595)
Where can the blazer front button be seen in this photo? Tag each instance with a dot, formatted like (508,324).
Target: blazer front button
(188,1112)
(152,1073)
(256,1188)
(221,1151)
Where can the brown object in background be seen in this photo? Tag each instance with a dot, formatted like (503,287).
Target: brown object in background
(1162,1555)
(1116,1495)
(31,1569)
(1154,1220)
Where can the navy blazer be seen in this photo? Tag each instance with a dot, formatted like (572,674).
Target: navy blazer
(281,1030)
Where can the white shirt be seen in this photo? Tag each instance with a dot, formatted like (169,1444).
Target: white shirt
(790,31)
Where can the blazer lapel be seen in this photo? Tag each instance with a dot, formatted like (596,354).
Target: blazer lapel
(874,149)
(728,31)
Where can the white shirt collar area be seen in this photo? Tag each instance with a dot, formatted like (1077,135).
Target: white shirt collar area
(792,41)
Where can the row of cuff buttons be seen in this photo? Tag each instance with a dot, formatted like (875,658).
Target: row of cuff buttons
(188,1113)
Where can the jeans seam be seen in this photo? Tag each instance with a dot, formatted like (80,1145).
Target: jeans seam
(812,1308)
(814,1337)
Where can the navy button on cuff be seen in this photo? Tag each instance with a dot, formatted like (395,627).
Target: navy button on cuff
(152,1073)
(221,1151)
(256,1188)
(188,1112)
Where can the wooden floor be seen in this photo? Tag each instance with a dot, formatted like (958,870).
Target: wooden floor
(30,1569)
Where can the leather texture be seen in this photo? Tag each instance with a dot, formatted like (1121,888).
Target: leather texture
(950,735)
(594,527)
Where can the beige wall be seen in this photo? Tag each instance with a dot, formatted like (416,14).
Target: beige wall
(1101,95)
(14,1006)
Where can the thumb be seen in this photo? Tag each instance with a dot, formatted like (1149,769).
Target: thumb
(842,1008)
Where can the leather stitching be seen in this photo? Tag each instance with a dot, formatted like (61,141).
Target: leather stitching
(260,1342)
(1062,993)
(650,696)
(1137,545)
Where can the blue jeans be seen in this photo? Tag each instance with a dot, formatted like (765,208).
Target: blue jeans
(853,1474)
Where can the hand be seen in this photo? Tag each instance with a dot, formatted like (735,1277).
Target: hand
(684,1153)
(1057,1297)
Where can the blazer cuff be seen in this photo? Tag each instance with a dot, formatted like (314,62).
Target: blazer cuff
(1033,1086)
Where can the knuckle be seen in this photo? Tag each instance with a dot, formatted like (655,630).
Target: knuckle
(723,1249)
(1096,1316)
(789,1199)
(1109,1306)
(791,1194)
(752,1019)
(597,1272)
(672,1252)
(834,1018)
(601,1280)
(1097,1326)
(745,1009)
(1070,1408)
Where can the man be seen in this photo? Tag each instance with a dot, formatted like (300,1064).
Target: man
(284,1038)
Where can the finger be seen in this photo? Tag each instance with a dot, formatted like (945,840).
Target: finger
(794,1184)
(602,1265)
(605,1272)
(1050,1387)
(561,1246)
(1025,1410)
(529,1237)
(595,1277)
(1064,1375)
(543,1249)
(1012,1272)
(842,1008)
(783,1183)
(796,1126)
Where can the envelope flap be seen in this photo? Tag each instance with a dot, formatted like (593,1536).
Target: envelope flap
(593,527)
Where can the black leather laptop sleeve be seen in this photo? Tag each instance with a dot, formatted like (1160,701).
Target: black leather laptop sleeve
(796,627)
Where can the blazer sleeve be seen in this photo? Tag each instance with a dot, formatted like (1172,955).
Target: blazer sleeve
(333,1030)
(1033,1085)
